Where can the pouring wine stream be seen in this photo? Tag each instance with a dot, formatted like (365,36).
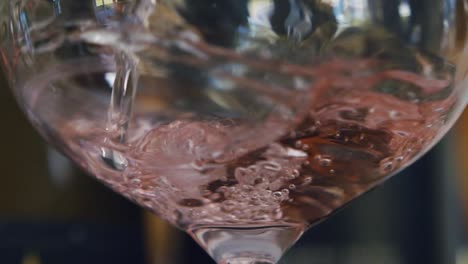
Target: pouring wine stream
(225,244)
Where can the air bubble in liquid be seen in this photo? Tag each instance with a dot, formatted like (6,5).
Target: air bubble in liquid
(298,144)
(277,196)
(307,179)
(271,166)
(323,161)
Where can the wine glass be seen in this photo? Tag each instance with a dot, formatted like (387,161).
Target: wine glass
(242,122)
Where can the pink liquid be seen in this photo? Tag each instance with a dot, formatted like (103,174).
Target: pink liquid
(353,137)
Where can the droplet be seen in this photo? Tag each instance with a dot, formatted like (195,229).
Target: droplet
(332,171)
(305,147)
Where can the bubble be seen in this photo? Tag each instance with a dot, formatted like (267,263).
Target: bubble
(402,133)
(362,137)
(295,173)
(277,195)
(305,147)
(387,166)
(399,158)
(298,144)
(308,179)
(285,192)
(332,171)
(323,161)
(292,186)
(272,166)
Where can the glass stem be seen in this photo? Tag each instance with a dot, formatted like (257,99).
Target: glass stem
(246,245)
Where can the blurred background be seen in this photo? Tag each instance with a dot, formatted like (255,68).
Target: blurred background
(52,213)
